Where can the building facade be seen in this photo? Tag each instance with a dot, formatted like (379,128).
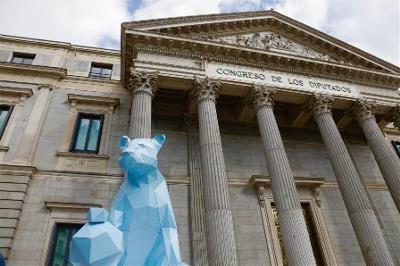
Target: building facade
(282,146)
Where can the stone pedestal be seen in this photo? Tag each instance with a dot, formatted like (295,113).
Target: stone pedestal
(291,219)
(386,157)
(221,246)
(143,87)
(358,205)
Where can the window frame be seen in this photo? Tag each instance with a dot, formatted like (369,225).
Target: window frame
(54,234)
(4,126)
(101,66)
(75,135)
(23,56)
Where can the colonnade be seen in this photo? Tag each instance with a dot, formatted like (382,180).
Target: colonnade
(221,245)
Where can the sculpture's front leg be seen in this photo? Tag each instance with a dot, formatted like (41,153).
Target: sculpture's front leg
(98,242)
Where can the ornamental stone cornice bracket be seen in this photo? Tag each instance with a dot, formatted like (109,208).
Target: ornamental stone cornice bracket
(140,81)
(33,70)
(260,182)
(260,96)
(205,89)
(320,103)
(364,109)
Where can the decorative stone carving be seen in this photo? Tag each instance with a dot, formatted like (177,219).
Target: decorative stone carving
(204,88)
(261,96)
(364,109)
(320,103)
(142,81)
(260,195)
(395,116)
(270,41)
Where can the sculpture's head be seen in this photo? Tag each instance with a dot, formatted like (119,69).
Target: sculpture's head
(139,156)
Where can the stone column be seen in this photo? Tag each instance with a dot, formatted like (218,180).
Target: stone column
(143,87)
(386,157)
(358,205)
(221,245)
(291,219)
(197,213)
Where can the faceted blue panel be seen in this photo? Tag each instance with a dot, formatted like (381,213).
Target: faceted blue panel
(97,215)
(141,216)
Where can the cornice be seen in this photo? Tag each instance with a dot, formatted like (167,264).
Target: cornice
(199,49)
(94,100)
(18,92)
(33,70)
(57,45)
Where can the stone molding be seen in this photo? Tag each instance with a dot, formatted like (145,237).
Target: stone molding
(364,109)
(205,89)
(97,100)
(320,103)
(33,70)
(261,95)
(70,205)
(142,81)
(19,93)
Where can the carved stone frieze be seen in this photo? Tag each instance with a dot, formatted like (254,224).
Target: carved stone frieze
(270,41)
(364,109)
(142,81)
(261,96)
(205,89)
(320,103)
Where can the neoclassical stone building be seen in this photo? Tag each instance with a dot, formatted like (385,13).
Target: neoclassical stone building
(282,146)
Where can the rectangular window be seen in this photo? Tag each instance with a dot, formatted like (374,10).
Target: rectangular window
(311,232)
(21,58)
(61,243)
(5,112)
(87,133)
(396,145)
(102,71)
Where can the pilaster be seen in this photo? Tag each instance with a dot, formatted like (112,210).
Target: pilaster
(221,245)
(358,204)
(385,156)
(143,86)
(294,231)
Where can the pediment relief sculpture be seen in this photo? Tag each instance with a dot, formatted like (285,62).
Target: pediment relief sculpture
(273,42)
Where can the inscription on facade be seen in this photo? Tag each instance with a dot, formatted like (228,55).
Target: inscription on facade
(280,80)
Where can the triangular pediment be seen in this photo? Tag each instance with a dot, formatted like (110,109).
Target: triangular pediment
(279,33)
(271,38)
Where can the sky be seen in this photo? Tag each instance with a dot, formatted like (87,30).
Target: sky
(371,25)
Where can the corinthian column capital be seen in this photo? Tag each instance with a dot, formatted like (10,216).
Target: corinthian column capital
(142,81)
(321,103)
(364,109)
(261,96)
(205,89)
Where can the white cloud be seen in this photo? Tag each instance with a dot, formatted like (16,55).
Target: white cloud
(76,21)
(370,25)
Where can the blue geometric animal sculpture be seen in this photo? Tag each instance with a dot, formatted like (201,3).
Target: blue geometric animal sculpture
(141,211)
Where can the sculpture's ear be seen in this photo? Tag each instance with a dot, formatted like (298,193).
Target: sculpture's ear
(159,141)
(124,142)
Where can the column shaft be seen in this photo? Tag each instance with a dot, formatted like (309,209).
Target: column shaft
(221,244)
(140,123)
(386,157)
(358,205)
(291,219)
(143,87)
